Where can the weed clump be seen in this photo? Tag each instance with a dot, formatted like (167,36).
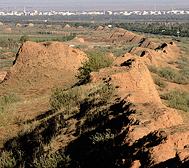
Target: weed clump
(7,159)
(101,137)
(7,108)
(177,99)
(160,82)
(75,96)
(152,69)
(53,161)
(62,98)
(172,75)
(185,72)
(94,63)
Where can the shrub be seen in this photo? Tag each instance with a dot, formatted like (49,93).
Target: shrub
(47,43)
(7,108)
(177,98)
(185,72)
(106,92)
(62,98)
(7,160)
(171,62)
(101,137)
(52,161)
(24,38)
(94,63)
(172,75)
(153,69)
(9,99)
(160,82)
(182,62)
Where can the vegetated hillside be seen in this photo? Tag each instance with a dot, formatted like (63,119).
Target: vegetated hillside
(114,117)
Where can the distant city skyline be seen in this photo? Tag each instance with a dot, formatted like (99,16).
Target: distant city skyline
(94,5)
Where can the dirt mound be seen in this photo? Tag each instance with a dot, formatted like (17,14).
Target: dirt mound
(164,53)
(30,25)
(134,84)
(115,29)
(132,77)
(81,40)
(18,25)
(1,24)
(106,28)
(99,28)
(67,26)
(8,29)
(2,75)
(48,26)
(125,36)
(80,27)
(147,43)
(121,30)
(44,65)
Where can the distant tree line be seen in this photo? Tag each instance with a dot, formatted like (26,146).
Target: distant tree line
(61,39)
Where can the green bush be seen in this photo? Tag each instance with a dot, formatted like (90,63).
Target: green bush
(105,92)
(7,108)
(62,98)
(185,72)
(182,62)
(93,63)
(7,160)
(160,82)
(52,161)
(177,98)
(101,137)
(171,62)
(24,38)
(172,75)
(152,69)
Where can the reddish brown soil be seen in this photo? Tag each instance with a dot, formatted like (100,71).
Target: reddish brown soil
(159,131)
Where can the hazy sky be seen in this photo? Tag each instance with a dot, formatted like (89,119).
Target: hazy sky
(94,4)
(63,1)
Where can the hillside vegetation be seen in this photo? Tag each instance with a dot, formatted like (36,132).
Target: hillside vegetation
(104,98)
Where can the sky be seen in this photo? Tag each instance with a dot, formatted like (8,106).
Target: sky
(93,4)
(87,1)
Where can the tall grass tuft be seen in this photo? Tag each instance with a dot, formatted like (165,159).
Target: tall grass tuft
(7,108)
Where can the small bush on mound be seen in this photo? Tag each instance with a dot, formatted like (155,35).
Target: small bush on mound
(160,82)
(152,69)
(52,161)
(177,99)
(182,62)
(62,98)
(8,160)
(102,137)
(172,75)
(94,63)
(171,62)
(185,72)
(105,92)
(74,96)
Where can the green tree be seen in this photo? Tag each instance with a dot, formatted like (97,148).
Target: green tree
(24,38)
